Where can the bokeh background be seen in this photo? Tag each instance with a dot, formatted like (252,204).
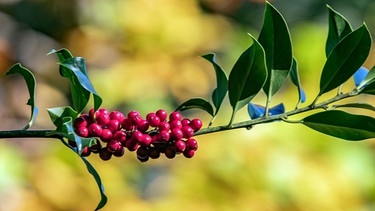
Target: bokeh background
(144,55)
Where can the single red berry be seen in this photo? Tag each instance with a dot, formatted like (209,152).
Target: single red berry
(192,144)
(117,115)
(113,145)
(156,138)
(85,152)
(96,147)
(106,135)
(162,114)
(187,131)
(132,145)
(176,133)
(170,152)
(134,117)
(102,119)
(179,146)
(119,136)
(114,125)
(119,152)
(189,153)
(153,120)
(80,122)
(196,124)
(105,154)
(137,136)
(82,131)
(175,124)
(142,126)
(128,125)
(154,153)
(164,136)
(164,126)
(145,140)
(185,122)
(175,116)
(95,130)
(103,111)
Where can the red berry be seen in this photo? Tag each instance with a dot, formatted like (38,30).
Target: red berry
(102,111)
(164,126)
(196,124)
(185,122)
(137,136)
(164,136)
(162,114)
(106,135)
(119,152)
(113,125)
(117,115)
(145,140)
(113,145)
(176,133)
(82,131)
(102,119)
(134,117)
(80,122)
(175,124)
(132,145)
(119,136)
(179,146)
(175,116)
(127,125)
(153,120)
(187,131)
(105,154)
(189,153)
(143,125)
(85,152)
(95,130)
(192,144)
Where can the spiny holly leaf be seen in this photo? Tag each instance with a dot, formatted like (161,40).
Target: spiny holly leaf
(247,77)
(74,68)
(338,28)
(94,173)
(345,59)
(196,103)
(294,76)
(275,39)
(221,80)
(342,125)
(31,85)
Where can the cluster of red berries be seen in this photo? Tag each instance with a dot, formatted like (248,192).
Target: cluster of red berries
(149,137)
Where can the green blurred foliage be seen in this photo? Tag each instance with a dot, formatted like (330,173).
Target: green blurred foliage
(144,55)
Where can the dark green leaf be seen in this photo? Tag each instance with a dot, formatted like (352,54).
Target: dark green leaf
(196,103)
(57,114)
(355,105)
(275,39)
(247,77)
(345,59)
(31,85)
(221,80)
(369,79)
(94,173)
(74,68)
(338,28)
(342,125)
(294,76)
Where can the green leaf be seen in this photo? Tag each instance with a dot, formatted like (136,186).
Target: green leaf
(221,90)
(196,103)
(355,105)
(338,28)
(275,39)
(74,68)
(31,85)
(58,113)
(294,76)
(247,77)
(345,59)
(94,173)
(342,125)
(369,79)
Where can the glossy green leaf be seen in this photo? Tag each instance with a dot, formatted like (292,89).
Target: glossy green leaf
(342,125)
(355,105)
(221,90)
(369,79)
(345,59)
(275,39)
(74,68)
(338,28)
(94,173)
(31,85)
(199,103)
(294,76)
(247,77)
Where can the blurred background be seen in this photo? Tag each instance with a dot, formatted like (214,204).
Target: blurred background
(145,55)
